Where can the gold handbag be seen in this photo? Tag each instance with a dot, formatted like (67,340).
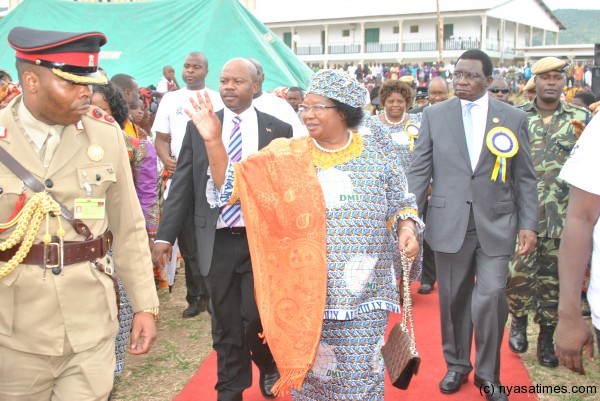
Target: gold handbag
(400,351)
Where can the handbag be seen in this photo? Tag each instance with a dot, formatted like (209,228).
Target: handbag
(400,351)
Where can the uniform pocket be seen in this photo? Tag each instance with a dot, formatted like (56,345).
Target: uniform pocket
(109,289)
(98,176)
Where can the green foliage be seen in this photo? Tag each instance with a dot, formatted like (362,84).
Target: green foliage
(581,28)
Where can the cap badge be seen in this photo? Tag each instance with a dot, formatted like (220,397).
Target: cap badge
(95,153)
(91,60)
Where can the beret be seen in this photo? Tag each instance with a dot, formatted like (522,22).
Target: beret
(549,64)
(409,79)
(530,85)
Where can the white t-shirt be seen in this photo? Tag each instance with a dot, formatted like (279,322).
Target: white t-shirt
(281,109)
(171,118)
(581,170)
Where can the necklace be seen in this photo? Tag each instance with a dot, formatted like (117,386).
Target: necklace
(387,120)
(322,149)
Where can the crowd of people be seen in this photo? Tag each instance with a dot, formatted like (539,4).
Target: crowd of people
(291,211)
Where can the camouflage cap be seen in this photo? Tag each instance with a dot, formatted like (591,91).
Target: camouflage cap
(547,64)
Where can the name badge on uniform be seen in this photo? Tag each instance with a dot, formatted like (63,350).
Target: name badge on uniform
(90,208)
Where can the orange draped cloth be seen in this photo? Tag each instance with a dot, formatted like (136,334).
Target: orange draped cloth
(284,210)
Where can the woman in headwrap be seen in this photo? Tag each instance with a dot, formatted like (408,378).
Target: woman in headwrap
(319,213)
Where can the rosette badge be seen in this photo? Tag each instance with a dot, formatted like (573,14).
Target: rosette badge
(503,143)
(412,131)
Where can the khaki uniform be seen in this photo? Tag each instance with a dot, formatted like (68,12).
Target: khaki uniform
(46,314)
(533,281)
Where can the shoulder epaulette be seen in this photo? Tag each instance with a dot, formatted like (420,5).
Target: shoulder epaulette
(98,114)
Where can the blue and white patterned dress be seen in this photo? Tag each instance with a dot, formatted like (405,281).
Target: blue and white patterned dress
(364,198)
(373,125)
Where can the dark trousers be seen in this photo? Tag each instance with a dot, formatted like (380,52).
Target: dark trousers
(194,282)
(472,301)
(235,319)
(428,274)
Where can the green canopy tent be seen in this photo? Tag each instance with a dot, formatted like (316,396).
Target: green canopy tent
(145,36)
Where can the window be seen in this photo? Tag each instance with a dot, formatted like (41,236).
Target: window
(414,29)
(396,29)
(346,33)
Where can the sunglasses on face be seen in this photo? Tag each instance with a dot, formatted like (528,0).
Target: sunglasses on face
(498,90)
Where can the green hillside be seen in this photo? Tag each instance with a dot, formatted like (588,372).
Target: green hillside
(582,27)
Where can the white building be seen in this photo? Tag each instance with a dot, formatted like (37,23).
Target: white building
(329,32)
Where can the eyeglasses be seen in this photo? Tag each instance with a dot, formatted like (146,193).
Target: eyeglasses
(317,108)
(466,75)
(498,90)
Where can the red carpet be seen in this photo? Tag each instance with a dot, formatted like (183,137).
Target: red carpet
(424,386)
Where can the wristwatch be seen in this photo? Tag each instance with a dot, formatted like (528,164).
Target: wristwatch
(153,311)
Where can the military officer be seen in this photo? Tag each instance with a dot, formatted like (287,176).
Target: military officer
(533,281)
(58,310)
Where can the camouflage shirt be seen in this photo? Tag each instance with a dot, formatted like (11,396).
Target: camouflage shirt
(550,148)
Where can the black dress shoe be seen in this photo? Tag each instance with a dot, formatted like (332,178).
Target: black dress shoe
(268,378)
(490,389)
(425,288)
(452,381)
(192,310)
(517,339)
(203,304)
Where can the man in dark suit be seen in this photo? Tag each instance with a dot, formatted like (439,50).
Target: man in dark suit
(473,216)
(223,254)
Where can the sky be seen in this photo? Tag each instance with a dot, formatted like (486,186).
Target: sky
(576,4)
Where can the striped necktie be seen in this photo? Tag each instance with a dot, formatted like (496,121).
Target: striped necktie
(231,214)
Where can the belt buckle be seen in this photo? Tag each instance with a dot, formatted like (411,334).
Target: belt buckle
(56,268)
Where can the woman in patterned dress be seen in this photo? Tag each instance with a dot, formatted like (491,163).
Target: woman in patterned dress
(319,213)
(142,158)
(396,96)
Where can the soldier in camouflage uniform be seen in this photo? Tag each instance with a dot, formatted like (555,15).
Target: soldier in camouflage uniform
(533,281)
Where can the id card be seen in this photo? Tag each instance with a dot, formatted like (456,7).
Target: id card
(90,208)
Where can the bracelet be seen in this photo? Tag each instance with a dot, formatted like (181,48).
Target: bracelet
(409,229)
(153,311)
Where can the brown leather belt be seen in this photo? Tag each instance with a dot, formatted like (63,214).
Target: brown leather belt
(49,256)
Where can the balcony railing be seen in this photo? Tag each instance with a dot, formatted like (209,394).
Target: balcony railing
(393,47)
(381,47)
(461,44)
(309,49)
(343,48)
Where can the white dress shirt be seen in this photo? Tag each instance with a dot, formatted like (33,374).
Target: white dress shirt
(479,116)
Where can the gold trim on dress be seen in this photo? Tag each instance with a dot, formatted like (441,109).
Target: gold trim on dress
(325,160)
